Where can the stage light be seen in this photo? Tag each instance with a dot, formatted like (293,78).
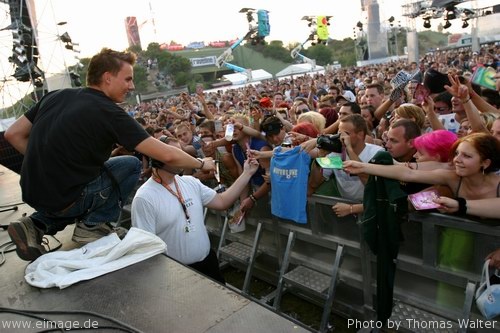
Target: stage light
(447,24)
(38,83)
(65,38)
(465,24)
(391,20)
(427,24)
(19,50)
(17,38)
(450,15)
(21,59)
(467,12)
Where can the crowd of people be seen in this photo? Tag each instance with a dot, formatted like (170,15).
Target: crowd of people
(440,129)
(433,135)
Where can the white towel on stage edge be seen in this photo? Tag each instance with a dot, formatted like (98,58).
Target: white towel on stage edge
(64,268)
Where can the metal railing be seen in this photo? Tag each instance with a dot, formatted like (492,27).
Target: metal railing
(419,273)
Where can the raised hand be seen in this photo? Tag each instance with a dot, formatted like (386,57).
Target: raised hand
(251,165)
(457,89)
(396,94)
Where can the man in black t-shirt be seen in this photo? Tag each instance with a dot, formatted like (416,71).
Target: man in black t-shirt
(67,139)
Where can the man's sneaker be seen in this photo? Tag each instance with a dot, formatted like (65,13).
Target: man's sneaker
(84,234)
(28,239)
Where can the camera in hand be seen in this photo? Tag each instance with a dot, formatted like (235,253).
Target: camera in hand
(329,142)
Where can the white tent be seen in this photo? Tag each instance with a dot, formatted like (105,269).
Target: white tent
(298,69)
(241,78)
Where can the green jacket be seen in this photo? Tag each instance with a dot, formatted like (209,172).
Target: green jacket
(385,207)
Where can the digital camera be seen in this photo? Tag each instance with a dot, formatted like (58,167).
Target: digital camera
(329,142)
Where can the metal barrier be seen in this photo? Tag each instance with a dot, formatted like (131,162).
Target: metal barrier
(419,276)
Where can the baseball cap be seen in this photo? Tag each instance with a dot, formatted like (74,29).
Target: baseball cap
(266,102)
(347,97)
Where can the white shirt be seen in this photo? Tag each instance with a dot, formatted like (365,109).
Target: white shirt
(351,187)
(158,211)
(446,120)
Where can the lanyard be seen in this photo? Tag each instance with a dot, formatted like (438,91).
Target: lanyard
(179,197)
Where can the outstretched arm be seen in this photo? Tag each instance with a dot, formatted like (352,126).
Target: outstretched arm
(288,125)
(400,172)
(206,110)
(224,200)
(487,208)
(481,104)
(172,156)
(383,108)
(428,107)
(461,92)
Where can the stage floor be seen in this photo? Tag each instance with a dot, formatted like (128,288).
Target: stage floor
(156,295)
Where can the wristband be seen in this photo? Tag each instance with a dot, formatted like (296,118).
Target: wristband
(253,198)
(467,101)
(462,206)
(202,163)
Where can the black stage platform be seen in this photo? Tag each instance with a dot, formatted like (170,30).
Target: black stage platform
(156,295)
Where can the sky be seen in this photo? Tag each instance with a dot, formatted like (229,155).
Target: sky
(98,23)
(95,24)
(194,20)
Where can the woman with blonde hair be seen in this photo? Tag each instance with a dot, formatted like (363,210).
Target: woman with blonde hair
(315,118)
(412,112)
(488,119)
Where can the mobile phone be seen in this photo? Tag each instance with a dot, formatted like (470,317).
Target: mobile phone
(218,125)
(421,93)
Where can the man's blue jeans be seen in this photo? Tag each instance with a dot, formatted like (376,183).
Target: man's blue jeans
(99,201)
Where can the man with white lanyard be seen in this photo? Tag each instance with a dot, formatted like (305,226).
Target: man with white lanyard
(171,206)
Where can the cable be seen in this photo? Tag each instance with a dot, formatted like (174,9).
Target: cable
(6,248)
(13,204)
(122,326)
(84,329)
(21,313)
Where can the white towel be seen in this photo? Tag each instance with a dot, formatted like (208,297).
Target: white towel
(63,268)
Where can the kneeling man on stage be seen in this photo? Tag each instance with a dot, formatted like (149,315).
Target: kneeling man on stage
(171,206)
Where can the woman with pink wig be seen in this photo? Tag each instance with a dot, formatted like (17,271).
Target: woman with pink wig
(434,146)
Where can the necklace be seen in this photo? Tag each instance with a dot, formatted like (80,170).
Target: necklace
(178,195)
